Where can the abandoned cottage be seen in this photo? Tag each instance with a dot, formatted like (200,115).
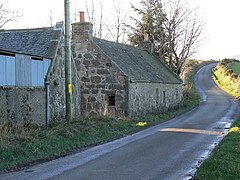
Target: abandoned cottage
(121,80)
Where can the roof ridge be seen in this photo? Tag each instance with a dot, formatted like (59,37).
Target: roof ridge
(27,29)
(118,43)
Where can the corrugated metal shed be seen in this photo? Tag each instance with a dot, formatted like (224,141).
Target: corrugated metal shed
(26,54)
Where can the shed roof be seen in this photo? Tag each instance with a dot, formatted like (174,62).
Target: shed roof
(38,42)
(136,63)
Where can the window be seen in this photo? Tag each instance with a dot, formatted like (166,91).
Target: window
(111,100)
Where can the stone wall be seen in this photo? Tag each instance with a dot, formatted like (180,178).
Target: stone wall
(103,86)
(152,98)
(22,105)
(56,77)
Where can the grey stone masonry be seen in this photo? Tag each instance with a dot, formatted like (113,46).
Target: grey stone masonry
(103,85)
(56,77)
(152,98)
(21,105)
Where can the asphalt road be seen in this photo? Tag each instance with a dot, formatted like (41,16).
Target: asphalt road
(171,150)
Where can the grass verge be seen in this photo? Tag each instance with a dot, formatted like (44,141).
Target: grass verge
(29,144)
(224,163)
(226,79)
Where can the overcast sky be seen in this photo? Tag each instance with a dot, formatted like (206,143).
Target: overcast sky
(222,29)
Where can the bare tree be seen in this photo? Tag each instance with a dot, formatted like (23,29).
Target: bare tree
(7,15)
(96,20)
(90,16)
(117,29)
(104,27)
(101,19)
(182,34)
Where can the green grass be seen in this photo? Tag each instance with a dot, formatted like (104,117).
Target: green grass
(227,86)
(27,145)
(227,81)
(235,67)
(224,163)
(24,146)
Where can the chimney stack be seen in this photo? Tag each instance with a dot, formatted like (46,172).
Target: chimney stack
(146,44)
(82,17)
(82,31)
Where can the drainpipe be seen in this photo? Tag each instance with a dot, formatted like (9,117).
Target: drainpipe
(47,86)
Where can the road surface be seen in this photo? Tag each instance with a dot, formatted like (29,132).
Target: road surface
(171,150)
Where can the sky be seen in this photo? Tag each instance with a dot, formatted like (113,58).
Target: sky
(221,31)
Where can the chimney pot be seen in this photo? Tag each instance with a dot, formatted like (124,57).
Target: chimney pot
(82,18)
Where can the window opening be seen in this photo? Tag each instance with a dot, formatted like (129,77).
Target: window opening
(164,96)
(176,93)
(111,99)
(157,96)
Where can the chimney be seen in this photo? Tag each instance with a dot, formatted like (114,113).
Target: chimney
(146,44)
(82,17)
(82,31)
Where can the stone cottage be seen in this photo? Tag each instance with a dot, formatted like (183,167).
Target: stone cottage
(121,80)
(29,60)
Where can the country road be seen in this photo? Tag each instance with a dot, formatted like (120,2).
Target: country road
(170,150)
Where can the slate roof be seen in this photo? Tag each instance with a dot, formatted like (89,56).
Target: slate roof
(136,63)
(35,42)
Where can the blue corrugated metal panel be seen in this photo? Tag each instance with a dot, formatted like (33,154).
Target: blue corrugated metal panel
(46,65)
(34,73)
(2,70)
(10,68)
(23,70)
(7,70)
(40,73)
